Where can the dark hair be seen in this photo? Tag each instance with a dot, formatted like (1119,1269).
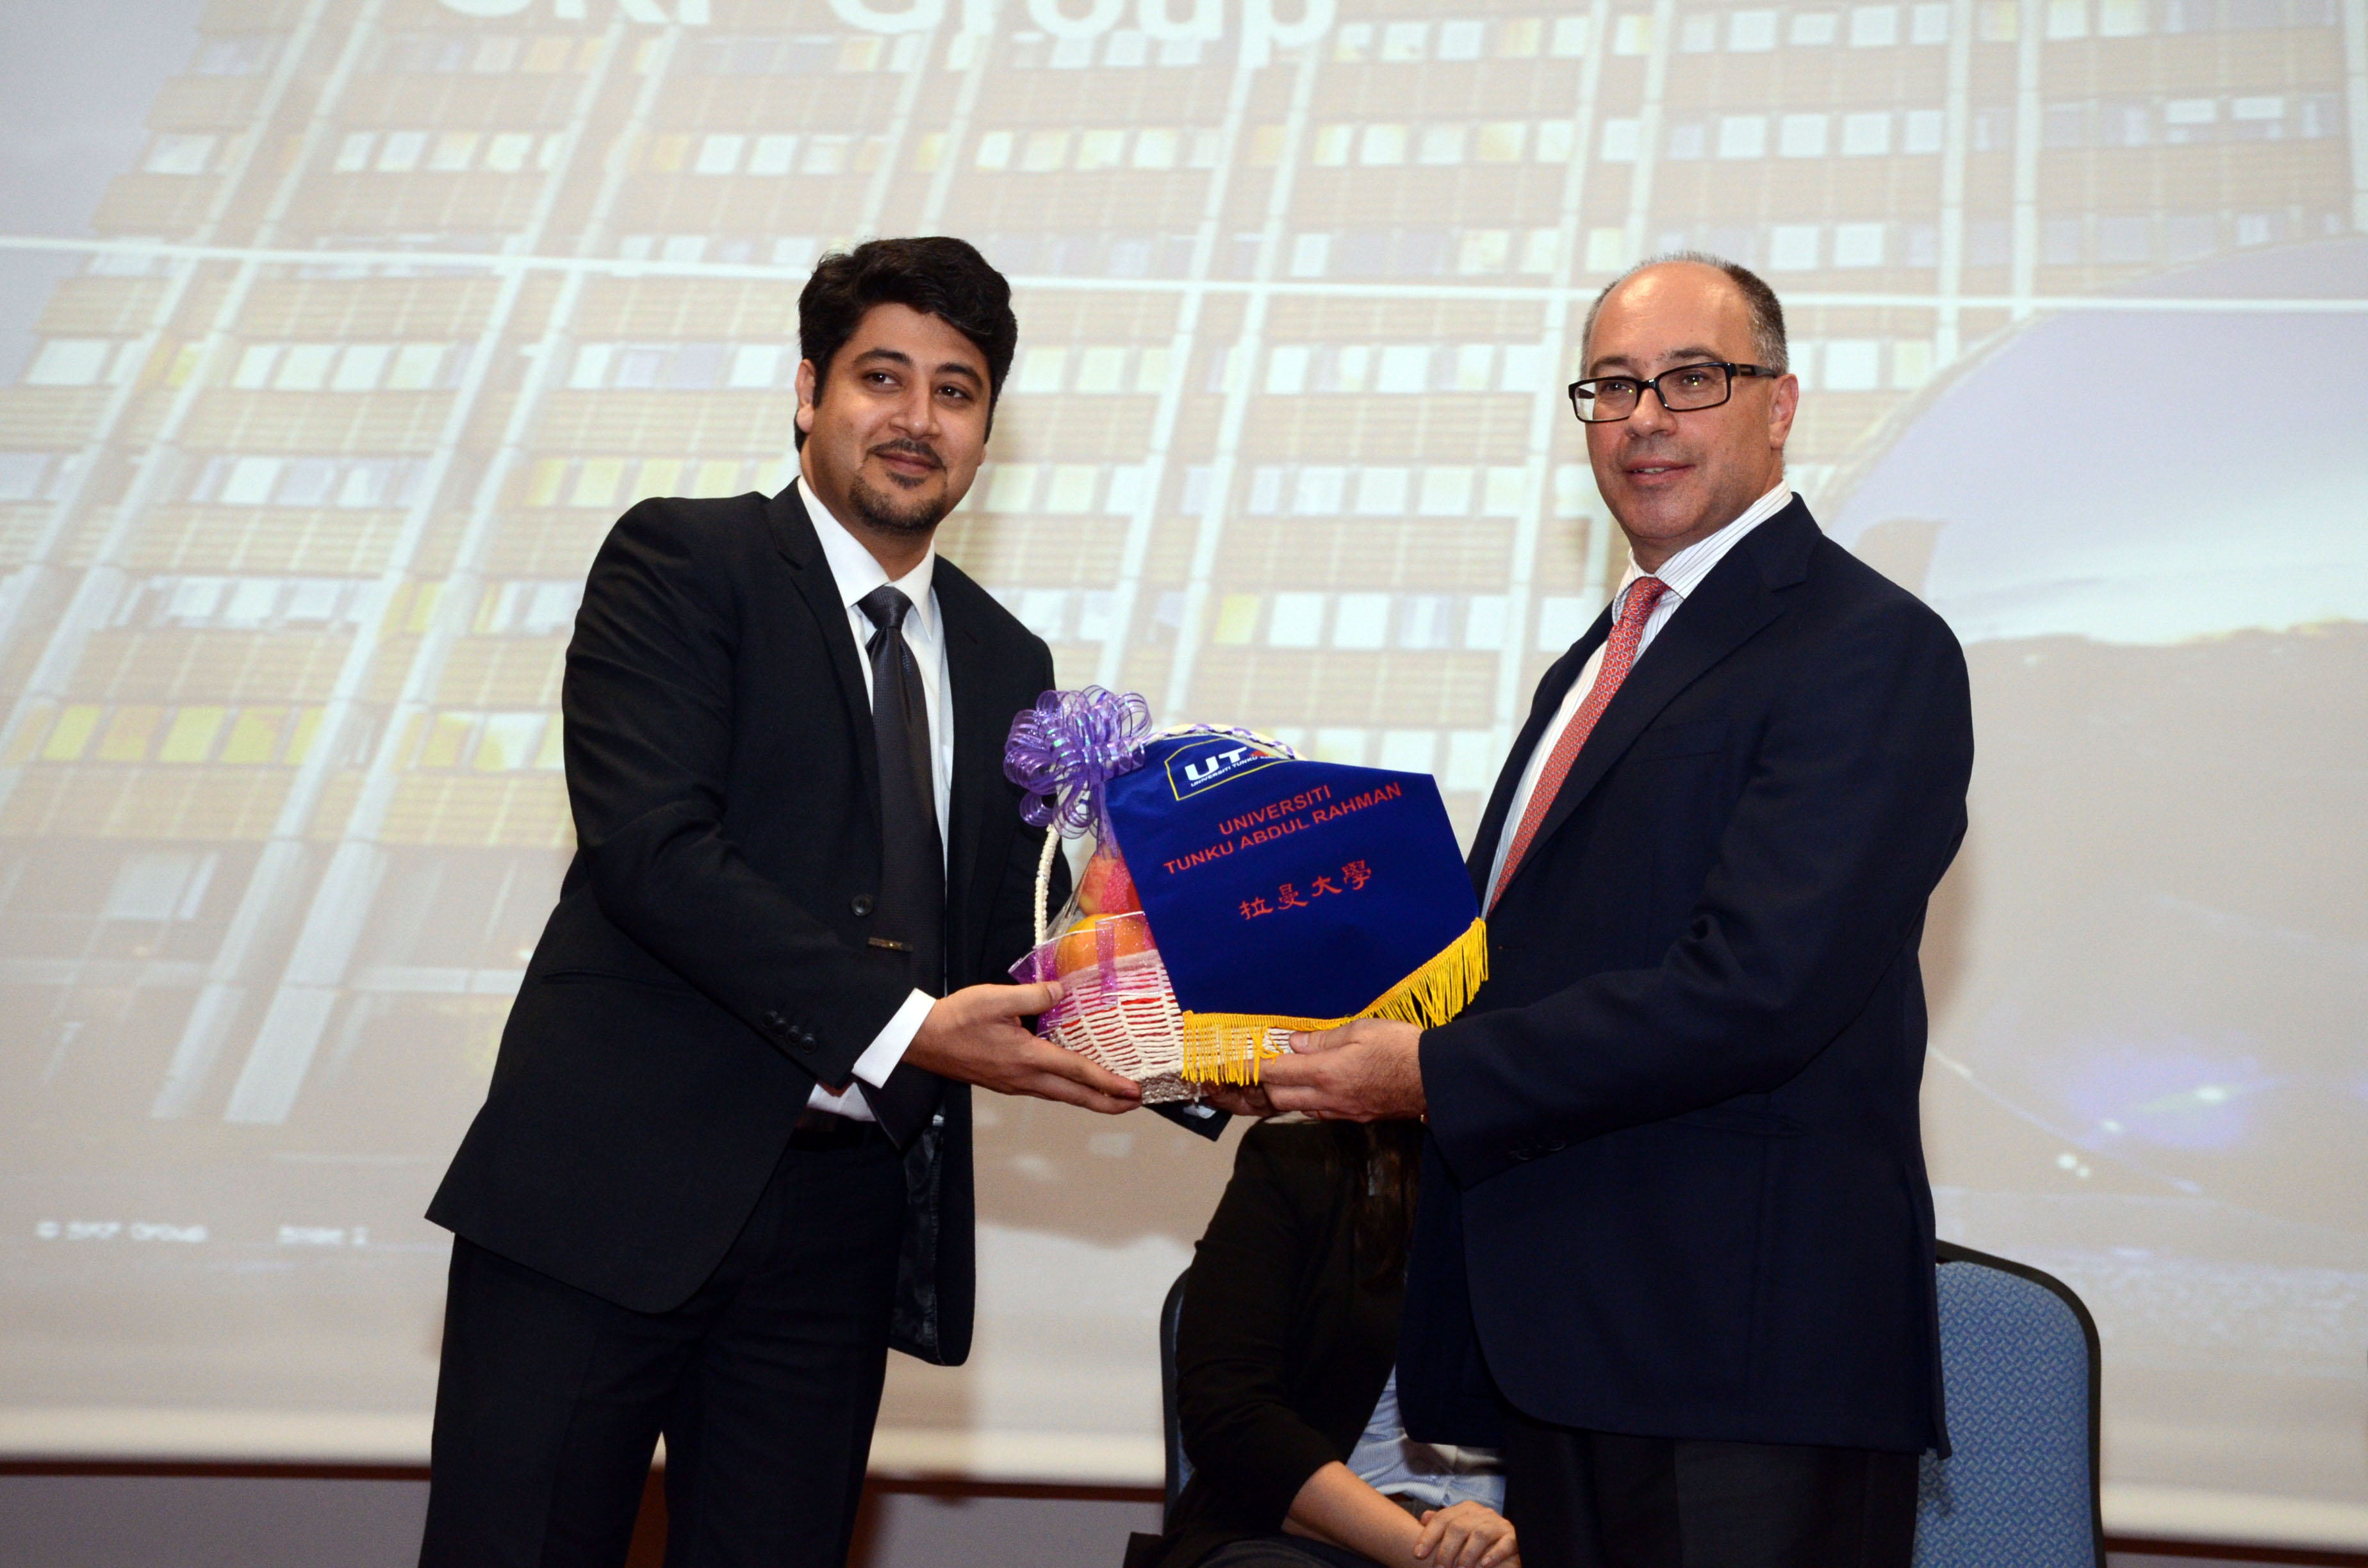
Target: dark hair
(1380,1165)
(1766,315)
(934,274)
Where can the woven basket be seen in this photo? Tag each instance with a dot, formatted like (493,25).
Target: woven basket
(1120,1011)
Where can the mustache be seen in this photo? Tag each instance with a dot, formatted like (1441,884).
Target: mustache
(1649,451)
(910,449)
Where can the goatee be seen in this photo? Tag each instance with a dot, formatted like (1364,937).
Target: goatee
(892,515)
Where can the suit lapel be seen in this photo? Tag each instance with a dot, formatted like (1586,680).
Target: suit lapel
(1731,604)
(793,533)
(1552,689)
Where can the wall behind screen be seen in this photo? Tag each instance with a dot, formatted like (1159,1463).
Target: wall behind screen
(294,511)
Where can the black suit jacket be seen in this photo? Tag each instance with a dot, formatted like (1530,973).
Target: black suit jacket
(1674,1185)
(1282,1347)
(707,963)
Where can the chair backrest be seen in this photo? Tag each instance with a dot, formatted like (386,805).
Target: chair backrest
(1180,1469)
(2020,1364)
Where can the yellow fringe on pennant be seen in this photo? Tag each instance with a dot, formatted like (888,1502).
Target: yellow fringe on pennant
(1231,1048)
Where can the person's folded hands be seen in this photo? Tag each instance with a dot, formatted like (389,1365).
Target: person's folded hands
(1468,1535)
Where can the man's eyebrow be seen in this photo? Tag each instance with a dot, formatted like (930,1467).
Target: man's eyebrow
(898,357)
(1693,353)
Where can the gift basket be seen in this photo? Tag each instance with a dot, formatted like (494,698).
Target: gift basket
(1234,892)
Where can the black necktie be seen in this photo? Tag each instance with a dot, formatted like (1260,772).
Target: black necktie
(911,914)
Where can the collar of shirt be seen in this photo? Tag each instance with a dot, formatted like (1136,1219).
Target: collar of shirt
(857,572)
(1684,572)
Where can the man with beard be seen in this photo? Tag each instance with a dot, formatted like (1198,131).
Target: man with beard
(724,1161)
(1673,1248)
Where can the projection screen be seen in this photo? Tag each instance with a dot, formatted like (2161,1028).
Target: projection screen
(398,304)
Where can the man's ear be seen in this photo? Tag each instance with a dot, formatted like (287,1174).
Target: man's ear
(1781,405)
(808,386)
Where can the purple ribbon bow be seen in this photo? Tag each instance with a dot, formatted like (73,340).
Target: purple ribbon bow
(1067,747)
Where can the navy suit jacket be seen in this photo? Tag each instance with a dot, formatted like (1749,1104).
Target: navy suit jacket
(1674,1185)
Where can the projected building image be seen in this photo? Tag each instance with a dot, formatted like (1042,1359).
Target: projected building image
(408,300)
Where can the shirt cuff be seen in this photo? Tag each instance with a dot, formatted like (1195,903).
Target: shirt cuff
(888,1047)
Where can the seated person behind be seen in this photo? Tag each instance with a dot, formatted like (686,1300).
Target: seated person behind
(1286,1388)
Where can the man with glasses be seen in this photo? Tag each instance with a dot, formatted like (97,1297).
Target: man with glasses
(1674,1246)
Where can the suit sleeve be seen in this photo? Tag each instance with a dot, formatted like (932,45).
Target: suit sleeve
(648,705)
(1853,806)
(1233,1346)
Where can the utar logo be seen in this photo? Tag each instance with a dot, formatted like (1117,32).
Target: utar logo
(1264,25)
(1195,770)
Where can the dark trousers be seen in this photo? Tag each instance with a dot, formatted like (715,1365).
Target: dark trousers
(764,1383)
(1600,1500)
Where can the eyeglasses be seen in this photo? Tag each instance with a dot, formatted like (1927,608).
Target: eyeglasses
(1682,388)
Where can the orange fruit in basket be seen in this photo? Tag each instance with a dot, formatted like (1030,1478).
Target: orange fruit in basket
(1080,945)
(1108,887)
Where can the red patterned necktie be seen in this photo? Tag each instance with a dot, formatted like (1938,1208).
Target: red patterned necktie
(1619,653)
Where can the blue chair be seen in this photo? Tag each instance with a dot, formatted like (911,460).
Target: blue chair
(1180,1469)
(2019,1362)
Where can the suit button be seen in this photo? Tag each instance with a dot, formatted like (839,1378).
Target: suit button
(775,1024)
(862,905)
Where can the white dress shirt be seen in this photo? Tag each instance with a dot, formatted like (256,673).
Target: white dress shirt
(857,572)
(1682,574)
(1434,1474)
